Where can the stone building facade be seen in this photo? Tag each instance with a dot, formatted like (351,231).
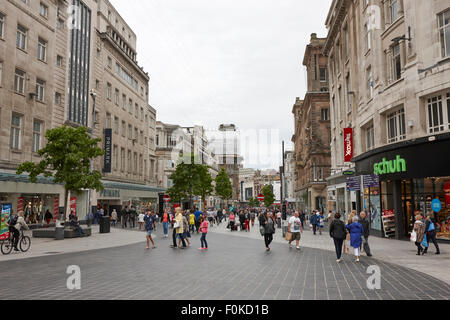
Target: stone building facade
(389,66)
(312,132)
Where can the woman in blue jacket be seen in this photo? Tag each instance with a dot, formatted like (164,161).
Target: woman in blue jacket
(356,231)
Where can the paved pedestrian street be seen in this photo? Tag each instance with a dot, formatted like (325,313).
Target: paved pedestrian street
(234,268)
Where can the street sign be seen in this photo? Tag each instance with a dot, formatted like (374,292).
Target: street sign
(166,198)
(261,197)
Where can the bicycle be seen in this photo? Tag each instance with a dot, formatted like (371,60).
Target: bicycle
(8,244)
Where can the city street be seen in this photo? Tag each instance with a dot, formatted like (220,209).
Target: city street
(235,267)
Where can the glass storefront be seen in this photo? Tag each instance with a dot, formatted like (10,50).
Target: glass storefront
(372,204)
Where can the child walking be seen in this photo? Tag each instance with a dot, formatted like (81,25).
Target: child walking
(204,231)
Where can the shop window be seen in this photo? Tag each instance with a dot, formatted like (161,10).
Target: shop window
(396,126)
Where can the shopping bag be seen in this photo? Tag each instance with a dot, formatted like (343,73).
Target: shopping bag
(413,237)
(262,230)
(288,236)
(425,242)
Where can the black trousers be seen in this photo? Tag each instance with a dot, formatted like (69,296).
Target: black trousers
(174,237)
(268,237)
(15,234)
(314,228)
(338,246)
(419,247)
(431,237)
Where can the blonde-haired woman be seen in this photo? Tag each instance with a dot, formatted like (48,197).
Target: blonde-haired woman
(419,228)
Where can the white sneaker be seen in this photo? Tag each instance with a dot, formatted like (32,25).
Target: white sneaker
(338,260)
(298,248)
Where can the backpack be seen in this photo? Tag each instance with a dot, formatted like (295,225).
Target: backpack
(13,220)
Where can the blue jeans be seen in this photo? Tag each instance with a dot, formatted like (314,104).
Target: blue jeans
(203,241)
(165,227)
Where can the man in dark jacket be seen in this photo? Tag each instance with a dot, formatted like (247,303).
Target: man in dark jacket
(242,219)
(313,220)
(430,232)
(366,226)
(338,232)
(132,217)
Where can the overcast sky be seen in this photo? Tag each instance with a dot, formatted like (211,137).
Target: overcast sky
(226,61)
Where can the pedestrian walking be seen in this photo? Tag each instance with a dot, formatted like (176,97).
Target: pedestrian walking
(232,221)
(141,220)
(113,217)
(48,217)
(252,217)
(204,231)
(133,217)
(295,228)
(191,222)
(338,232)
(242,219)
(430,233)
(165,222)
(356,231)
(124,216)
(320,221)
(186,233)
(268,223)
(179,227)
(247,221)
(419,229)
(313,221)
(302,218)
(347,238)
(279,220)
(149,220)
(366,226)
(197,214)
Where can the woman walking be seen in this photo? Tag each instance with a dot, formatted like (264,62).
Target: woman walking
(113,217)
(186,233)
(419,229)
(430,232)
(356,231)
(338,233)
(232,221)
(165,222)
(204,232)
(347,238)
(141,219)
(268,223)
(320,221)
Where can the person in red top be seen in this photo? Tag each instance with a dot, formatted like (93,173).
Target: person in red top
(204,231)
(165,221)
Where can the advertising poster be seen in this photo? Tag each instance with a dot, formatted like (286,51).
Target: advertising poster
(73,205)
(6,211)
(375,212)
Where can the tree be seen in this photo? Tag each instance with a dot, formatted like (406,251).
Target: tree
(269,197)
(66,158)
(253,202)
(203,186)
(223,185)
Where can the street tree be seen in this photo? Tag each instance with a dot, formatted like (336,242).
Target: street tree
(223,185)
(66,158)
(253,202)
(269,197)
(203,186)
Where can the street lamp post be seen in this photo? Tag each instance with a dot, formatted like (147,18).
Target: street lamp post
(91,166)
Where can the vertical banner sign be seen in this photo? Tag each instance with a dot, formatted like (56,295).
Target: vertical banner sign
(348,144)
(108,146)
(73,205)
(19,204)
(55,209)
(5,212)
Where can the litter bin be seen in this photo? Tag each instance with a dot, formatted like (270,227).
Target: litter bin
(105,224)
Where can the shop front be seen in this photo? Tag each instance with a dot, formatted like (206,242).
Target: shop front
(412,175)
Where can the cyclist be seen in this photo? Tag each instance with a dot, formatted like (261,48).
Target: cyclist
(15,223)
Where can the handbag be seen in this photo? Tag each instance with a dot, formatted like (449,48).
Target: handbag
(176,224)
(262,230)
(413,237)
(288,236)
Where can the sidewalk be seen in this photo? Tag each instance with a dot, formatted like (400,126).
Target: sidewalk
(399,252)
(43,247)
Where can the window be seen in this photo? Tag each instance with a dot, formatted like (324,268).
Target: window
(57,98)
(108,91)
(122,159)
(40,90)
(436,114)
(129,161)
(367,35)
(19,81)
(97,84)
(36,136)
(114,158)
(396,63)
(21,41)
(141,137)
(396,126)
(370,138)
(127,77)
(338,62)
(393,10)
(1,72)
(116,97)
(323,74)
(108,120)
(444,32)
(142,114)
(324,114)
(44,10)
(123,128)
(346,42)
(135,158)
(42,49)
(157,139)
(109,62)
(60,24)
(369,83)
(341,104)
(2,24)
(59,61)
(130,132)
(116,125)
(16,124)
(349,94)
(124,102)
(130,106)
(136,111)
(136,137)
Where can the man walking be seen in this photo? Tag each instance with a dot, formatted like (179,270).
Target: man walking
(133,217)
(313,220)
(295,227)
(366,226)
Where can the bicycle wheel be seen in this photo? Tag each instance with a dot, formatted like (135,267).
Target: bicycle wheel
(6,247)
(25,243)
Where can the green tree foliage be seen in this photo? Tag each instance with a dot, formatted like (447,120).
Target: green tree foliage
(203,186)
(223,185)
(253,202)
(269,197)
(66,158)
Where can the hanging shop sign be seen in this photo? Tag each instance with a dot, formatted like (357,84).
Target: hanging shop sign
(108,145)
(348,144)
